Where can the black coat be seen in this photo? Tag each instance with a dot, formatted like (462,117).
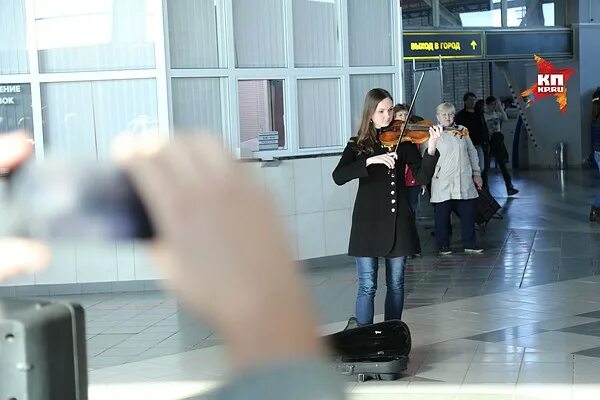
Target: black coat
(383,224)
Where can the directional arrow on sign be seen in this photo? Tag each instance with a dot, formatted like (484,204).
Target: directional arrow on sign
(473,44)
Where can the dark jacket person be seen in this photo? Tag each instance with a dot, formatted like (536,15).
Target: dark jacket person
(383,224)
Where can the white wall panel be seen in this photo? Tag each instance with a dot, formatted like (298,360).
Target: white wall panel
(370,32)
(334,197)
(337,232)
(307,185)
(359,86)
(69,120)
(189,21)
(123,106)
(13,51)
(311,235)
(125,261)
(258,27)
(316,33)
(319,113)
(94,35)
(197,104)
(63,266)
(82,118)
(96,262)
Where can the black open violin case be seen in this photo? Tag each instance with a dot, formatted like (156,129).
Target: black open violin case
(378,351)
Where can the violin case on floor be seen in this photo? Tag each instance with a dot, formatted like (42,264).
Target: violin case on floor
(42,350)
(378,351)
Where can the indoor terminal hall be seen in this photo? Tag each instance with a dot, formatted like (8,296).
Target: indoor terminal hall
(299,199)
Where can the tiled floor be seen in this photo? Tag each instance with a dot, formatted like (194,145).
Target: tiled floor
(521,321)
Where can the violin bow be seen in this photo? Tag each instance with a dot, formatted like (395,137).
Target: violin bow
(410,109)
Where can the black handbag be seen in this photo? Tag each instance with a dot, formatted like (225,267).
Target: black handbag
(487,208)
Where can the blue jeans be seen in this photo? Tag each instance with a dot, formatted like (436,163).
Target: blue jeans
(366,268)
(597,158)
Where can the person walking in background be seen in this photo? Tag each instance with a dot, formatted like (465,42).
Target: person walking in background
(494,116)
(472,118)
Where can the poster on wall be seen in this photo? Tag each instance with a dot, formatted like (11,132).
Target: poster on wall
(15,107)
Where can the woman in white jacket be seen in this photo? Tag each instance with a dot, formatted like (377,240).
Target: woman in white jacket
(455,182)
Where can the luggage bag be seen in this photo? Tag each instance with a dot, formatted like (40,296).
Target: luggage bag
(487,207)
(378,351)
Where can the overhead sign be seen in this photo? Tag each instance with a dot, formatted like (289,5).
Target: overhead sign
(448,45)
(523,44)
(491,44)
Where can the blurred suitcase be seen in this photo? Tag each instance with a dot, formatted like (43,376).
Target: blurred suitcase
(378,351)
(487,207)
(42,351)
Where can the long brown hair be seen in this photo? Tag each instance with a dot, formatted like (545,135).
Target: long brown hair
(366,135)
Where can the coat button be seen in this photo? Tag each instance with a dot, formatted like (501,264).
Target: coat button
(393,183)
(393,201)
(393,210)
(393,175)
(392,192)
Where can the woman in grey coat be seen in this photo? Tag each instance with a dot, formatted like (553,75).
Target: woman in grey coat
(455,182)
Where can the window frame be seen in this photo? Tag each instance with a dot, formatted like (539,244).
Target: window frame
(290,76)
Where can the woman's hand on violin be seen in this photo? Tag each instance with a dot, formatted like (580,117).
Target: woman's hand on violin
(435,132)
(388,159)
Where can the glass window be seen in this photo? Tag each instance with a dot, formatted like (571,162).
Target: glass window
(316,33)
(532,13)
(15,107)
(198,104)
(82,118)
(359,86)
(190,21)
(319,113)
(258,28)
(261,111)
(370,32)
(416,13)
(94,35)
(470,13)
(13,51)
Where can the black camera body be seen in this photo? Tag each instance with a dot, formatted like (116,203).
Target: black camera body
(57,199)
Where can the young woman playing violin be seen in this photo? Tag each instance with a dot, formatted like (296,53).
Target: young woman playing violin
(383,224)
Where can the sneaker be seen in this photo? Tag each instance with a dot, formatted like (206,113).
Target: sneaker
(445,251)
(512,191)
(473,250)
(352,324)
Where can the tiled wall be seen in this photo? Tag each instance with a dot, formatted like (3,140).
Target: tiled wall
(315,211)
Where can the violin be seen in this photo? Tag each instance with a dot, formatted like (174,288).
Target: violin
(417,133)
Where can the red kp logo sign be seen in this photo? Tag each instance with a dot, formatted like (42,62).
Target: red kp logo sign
(550,82)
